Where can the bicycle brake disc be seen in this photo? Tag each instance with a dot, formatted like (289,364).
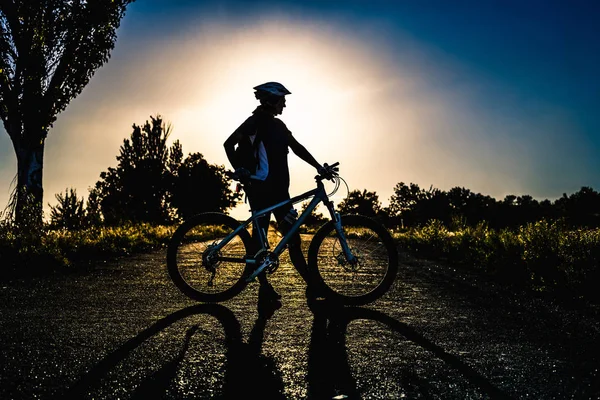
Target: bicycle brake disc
(350,266)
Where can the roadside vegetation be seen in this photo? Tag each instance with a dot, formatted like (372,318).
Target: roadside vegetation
(133,207)
(61,249)
(137,204)
(542,256)
(550,246)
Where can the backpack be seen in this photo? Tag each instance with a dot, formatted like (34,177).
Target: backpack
(246,153)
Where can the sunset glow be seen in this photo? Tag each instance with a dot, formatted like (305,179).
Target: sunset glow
(334,99)
(385,104)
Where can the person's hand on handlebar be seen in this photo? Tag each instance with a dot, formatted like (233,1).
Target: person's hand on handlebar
(329,171)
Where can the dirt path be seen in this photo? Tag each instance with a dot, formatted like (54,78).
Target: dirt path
(123,331)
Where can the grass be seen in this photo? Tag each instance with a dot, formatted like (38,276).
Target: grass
(544,256)
(57,249)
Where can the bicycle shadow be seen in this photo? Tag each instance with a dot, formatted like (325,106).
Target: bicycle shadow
(329,374)
(244,363)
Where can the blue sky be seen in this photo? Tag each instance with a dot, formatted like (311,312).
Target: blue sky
(500,97)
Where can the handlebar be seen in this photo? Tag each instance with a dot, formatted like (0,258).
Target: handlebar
(331,171)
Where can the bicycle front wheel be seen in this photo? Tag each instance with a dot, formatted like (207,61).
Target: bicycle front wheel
(370,271)
(201,265)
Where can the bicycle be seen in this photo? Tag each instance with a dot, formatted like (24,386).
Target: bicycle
(351,258)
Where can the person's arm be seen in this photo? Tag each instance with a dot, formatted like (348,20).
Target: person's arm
(235,138)
(301,152)
(229,145)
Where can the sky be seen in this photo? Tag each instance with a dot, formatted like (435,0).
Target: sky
(500,97)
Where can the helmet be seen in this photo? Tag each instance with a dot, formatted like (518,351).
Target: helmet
(272,89)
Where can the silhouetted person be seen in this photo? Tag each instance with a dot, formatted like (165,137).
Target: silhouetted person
(269,181)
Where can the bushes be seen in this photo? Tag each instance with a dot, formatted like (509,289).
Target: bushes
(432,240)
(579,253)
(58,248)
(541,255)
(107,241)
(22,249)
(70,212)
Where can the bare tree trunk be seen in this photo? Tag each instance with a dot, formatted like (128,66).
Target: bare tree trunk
(29,193)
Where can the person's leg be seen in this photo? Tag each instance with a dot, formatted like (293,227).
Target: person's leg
(286,217)
(266,289)
(258,197)
(263,224)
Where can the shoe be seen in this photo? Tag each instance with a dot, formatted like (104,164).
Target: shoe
(267,292)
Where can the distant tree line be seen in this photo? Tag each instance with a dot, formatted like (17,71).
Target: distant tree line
(411,205)
(154,183)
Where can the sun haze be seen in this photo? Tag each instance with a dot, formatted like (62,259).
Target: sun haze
(367,91)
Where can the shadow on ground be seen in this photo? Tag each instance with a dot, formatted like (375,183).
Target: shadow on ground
(249,373)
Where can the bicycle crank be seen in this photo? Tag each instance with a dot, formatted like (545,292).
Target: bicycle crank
(266,261)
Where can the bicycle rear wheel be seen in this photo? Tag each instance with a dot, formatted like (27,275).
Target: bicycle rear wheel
(198,268)
(359,281)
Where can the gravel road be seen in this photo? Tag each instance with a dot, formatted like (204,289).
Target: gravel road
(121,330)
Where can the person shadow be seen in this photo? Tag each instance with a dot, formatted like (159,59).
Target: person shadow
(250,373)
(329,374)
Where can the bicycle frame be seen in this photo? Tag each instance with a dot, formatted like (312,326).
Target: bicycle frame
(319,195)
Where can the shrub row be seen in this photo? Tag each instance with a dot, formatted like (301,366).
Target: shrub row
(542,255)
(52,249)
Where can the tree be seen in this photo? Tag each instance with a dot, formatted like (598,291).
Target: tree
(432,204)
(69,213)
(137,189)
(49,50)
(581,208)
(93,211)
(200,187)
(528,209)
(152,182)
(472,207)
(405,198)
(459,199)
(363,203)
(412,205)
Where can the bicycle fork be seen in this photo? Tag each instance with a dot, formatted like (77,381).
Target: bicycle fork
(337,223)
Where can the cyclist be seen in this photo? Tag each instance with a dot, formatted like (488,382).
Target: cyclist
(269,183)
